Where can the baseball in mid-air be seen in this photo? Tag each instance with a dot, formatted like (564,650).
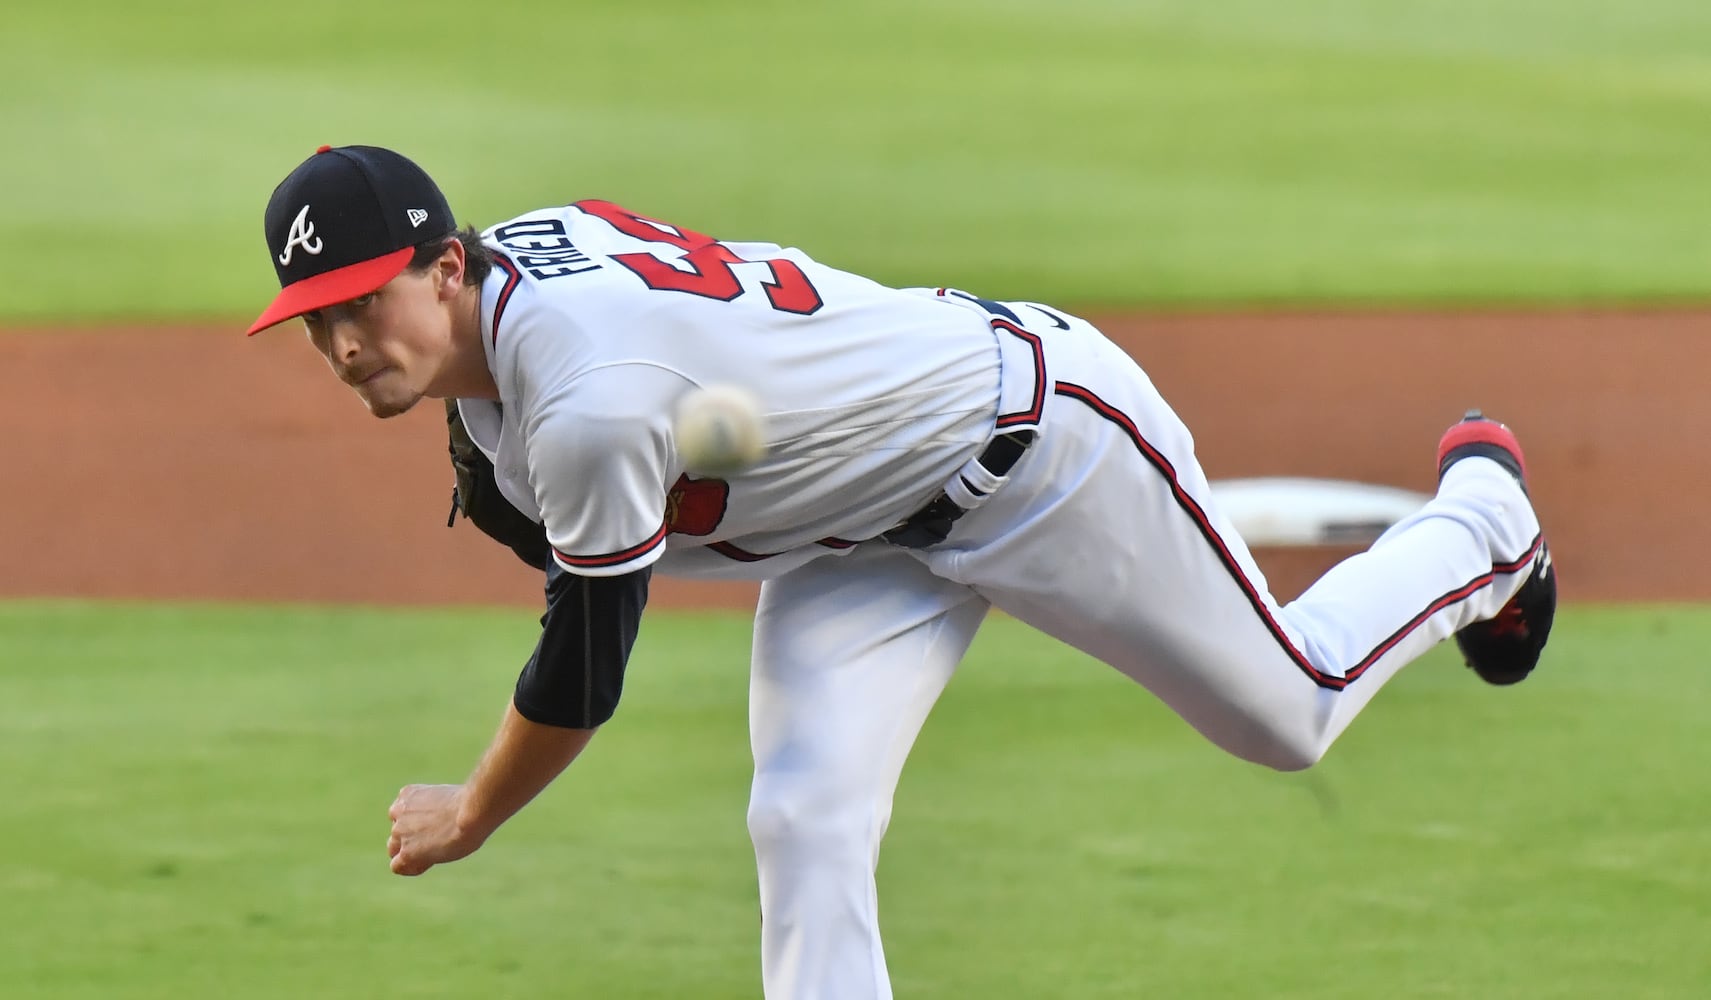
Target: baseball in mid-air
(719,430)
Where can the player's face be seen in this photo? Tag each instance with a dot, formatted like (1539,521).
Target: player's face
(388,346)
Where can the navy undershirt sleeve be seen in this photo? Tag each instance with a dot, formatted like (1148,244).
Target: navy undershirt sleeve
(576,674)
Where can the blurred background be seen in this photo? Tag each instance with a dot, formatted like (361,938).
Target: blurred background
(233,623)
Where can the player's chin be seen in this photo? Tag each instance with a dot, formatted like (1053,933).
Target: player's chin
(384,404)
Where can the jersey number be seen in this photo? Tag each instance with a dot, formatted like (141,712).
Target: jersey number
(710,274)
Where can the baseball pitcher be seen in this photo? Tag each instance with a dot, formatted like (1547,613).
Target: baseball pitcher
(929,454)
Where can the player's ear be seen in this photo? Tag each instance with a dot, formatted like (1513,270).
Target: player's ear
(448,270)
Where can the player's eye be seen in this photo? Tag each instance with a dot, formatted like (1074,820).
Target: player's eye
(362,300)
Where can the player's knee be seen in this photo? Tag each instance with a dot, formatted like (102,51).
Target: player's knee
(1271,743)
(1295,759)
(1292,740)
(788,815)
(1285,751)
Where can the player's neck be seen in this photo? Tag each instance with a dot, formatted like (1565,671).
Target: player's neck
(466,375)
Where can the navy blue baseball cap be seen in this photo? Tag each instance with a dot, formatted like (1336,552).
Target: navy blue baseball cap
(345,222)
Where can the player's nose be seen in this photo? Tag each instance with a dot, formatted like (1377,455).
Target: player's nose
(344,341)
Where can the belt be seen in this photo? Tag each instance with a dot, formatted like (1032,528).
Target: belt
(932,524)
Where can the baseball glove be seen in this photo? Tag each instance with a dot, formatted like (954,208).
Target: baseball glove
(478,496)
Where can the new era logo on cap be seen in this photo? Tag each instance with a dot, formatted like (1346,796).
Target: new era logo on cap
(371,207)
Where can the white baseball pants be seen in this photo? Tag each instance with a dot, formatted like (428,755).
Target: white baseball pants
(1105,537)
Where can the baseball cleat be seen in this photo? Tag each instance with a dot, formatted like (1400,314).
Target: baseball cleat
(1477,434)
(1504,649)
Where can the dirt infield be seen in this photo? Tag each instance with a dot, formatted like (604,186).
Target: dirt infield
(201,464)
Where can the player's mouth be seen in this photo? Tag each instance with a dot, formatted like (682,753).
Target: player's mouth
(371,376)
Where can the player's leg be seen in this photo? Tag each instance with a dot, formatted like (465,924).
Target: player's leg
(1108,539)
(849,656)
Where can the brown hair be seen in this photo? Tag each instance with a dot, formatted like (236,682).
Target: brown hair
(477,259)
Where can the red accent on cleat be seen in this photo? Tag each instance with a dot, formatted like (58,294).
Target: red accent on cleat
(1481,431)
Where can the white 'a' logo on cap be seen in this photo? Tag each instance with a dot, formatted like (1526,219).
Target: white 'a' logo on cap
(302,234)
(417,216)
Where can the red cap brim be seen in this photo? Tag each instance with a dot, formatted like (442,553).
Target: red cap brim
(332,287)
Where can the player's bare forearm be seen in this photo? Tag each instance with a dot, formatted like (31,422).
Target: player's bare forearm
(524,758)
(434,824)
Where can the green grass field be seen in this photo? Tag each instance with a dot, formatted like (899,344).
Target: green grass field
(1088,152)
(196,808)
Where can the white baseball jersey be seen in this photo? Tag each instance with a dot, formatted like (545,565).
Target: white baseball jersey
(596,321)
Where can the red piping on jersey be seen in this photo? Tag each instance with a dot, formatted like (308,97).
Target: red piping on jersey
(1032,415)
(730,551)
(614,558)
(1202,522)
(512,278)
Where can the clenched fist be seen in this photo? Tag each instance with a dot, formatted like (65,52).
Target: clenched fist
(425,829)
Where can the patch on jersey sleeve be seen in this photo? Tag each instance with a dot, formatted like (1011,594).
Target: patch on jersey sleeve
(695,506)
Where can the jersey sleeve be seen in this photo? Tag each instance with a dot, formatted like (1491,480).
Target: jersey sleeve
(599,460)
(576,674)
